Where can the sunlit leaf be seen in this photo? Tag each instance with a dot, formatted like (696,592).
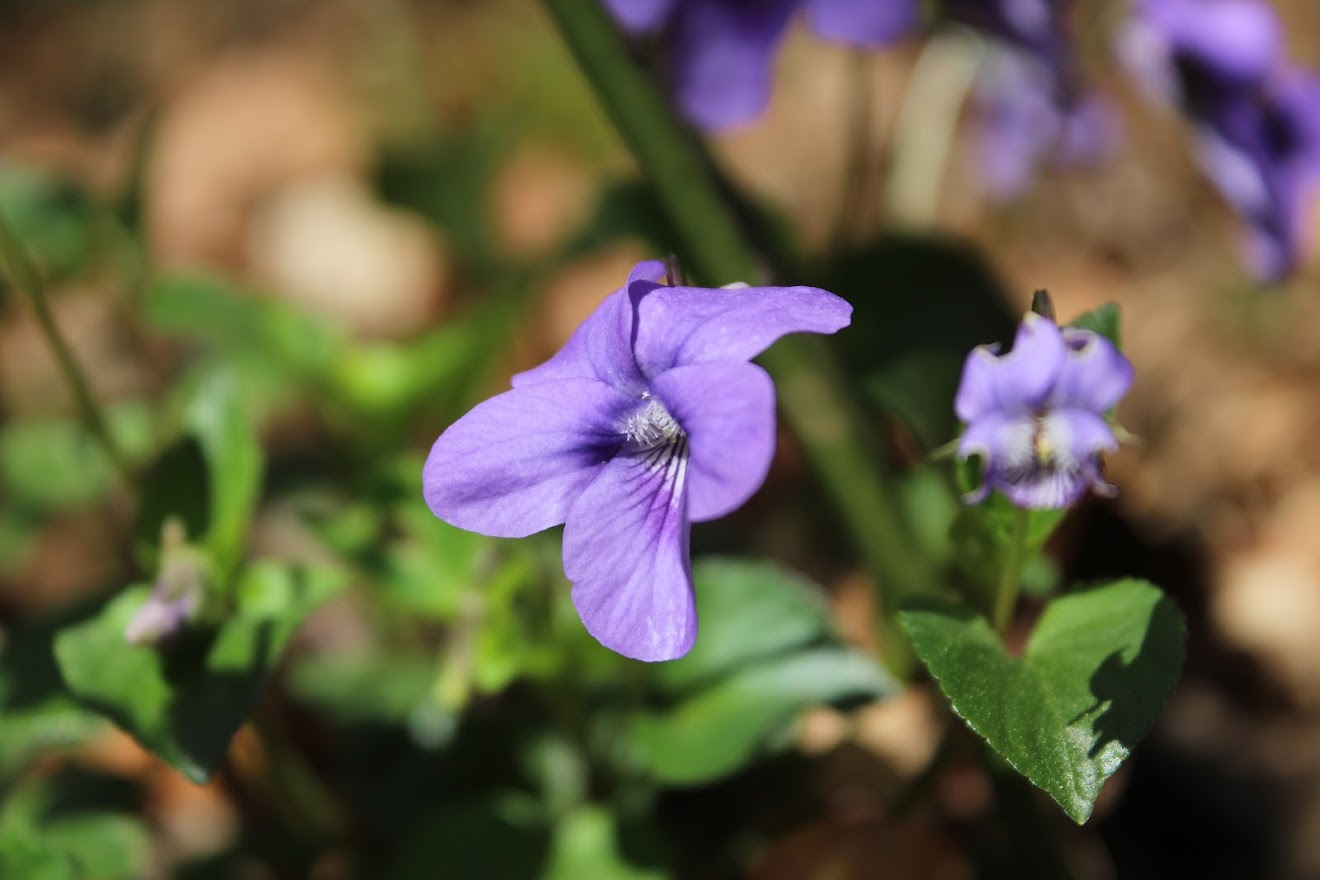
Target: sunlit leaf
(1092,679)
(726,726)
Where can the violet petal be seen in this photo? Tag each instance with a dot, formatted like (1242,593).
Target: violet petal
(641,16)
(863,22)
(514,464)
(723,58)
(728,413)
(1094,376)
(601,347)
(626,552)
(688,325)
(1026,374)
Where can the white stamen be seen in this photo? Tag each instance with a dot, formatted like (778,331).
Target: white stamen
(652,425)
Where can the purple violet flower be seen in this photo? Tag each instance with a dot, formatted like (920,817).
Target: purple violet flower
(649,418)
(1036,415)
(1257,118)
(1022,120)
(722,51)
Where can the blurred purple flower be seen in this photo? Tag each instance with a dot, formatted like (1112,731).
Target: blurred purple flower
(1257,118)
(649,418)
(1037,414)
(1023,121)
(722,51)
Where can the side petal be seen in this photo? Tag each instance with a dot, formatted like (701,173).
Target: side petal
(640,16)
(976,395)
(677,326)
(863,22)
(1095,375)
(728,413)
(723,58)
(626,552)
(601,346)
(513,464)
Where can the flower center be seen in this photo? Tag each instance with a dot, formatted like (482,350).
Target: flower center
(652,425)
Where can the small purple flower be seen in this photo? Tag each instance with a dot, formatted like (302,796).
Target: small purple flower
(1257,118)
(722,51)
(176,600)
(1036,415)
(649,418)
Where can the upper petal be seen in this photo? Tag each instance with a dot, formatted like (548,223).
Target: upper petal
(1094,376)
(863,22)
(723,58)
(601,346)
(1024,376)
(626,552)
(641,16)
(513,464)
(728,412)
(689,325)
(1015,383)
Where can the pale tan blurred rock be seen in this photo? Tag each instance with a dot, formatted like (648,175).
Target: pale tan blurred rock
(1267,596)
(903,730)
(326,244)
(249,124)
(540,197)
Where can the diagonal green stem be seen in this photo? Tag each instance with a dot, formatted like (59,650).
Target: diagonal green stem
(18,273)
(718,246)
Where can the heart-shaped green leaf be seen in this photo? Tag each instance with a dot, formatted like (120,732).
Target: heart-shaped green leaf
(185,701)
(1094,675)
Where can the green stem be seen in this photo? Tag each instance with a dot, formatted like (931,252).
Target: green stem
(19,274)
(718,247)
(1010,576)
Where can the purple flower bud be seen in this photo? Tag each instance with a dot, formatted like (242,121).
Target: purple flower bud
(175,601)
(649,418)
(1036,415)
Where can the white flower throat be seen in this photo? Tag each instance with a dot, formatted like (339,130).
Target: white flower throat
(652,425)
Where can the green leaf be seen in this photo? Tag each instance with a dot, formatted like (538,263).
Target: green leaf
(55,464)
(210,478)
(363,687)
(725,726)
(1105,320)
(54,218)
(984,533)
(235,464)
(36,712)
(586,844)
(748,610)
(1094,675)
(186,701)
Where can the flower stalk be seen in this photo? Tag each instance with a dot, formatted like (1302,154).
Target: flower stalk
(1010,575)
(20,275)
